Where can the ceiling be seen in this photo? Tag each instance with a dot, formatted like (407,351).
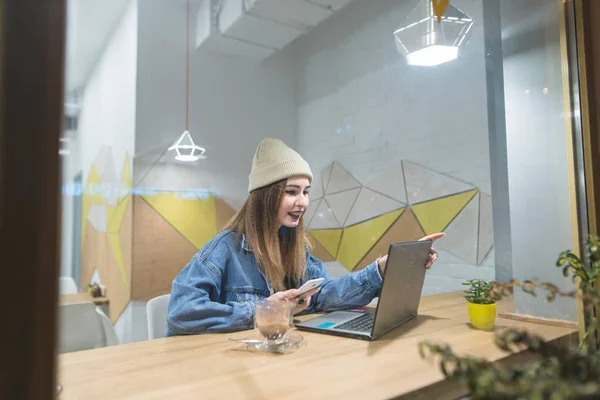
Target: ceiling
(90,24)
(253,27)
(258,28)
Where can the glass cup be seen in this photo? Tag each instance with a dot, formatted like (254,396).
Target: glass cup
(273,319)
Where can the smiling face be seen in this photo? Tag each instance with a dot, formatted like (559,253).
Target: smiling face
(294,201)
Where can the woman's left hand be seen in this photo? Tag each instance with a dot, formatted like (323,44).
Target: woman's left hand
(433,255)
(298,303)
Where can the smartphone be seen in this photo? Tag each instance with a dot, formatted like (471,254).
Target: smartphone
(309,285)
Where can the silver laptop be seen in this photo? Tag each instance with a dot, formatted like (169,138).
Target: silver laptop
(398,300)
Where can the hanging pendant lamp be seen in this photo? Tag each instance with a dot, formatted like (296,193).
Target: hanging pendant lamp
(185,147)
(429,38)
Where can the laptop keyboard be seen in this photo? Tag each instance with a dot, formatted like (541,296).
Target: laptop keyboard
(364,323)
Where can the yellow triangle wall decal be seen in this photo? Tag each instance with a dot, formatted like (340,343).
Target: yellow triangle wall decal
(115,215)
(195,219)
(91,195)
(126,179)
(358,239)
(329,238)
(435,215)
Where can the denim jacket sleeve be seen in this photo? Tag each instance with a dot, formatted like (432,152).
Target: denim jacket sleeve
(353,290)
(194,306)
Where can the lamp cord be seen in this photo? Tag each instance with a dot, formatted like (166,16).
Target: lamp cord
(187,68)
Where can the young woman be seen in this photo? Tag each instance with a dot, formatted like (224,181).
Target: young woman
(263,253)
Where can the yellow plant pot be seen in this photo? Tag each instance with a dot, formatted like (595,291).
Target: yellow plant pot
(483,316)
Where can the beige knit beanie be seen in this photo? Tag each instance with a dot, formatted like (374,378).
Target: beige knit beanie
(274,161)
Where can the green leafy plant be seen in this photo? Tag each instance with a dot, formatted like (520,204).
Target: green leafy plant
(480,292)
(559,372)
(589,274)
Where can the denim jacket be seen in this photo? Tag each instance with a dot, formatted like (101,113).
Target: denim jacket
(217,290)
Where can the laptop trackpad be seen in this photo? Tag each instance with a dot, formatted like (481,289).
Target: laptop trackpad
(331,319)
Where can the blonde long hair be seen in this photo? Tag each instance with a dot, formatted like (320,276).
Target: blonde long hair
(280,258)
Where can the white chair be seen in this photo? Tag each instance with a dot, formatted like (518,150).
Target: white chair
(66,285)
(110,335)
(82,326)
(156,309)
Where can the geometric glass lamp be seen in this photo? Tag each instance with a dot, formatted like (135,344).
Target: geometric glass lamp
(186,149)
(424,40)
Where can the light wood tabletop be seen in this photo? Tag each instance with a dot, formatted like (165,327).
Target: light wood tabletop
(82,297)
(324,366)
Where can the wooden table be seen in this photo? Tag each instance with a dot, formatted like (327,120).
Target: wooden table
(210,366)
(82,297)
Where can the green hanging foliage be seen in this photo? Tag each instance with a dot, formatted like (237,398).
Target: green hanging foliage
(560,372)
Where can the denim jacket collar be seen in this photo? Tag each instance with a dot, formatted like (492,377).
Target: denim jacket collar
(245,244)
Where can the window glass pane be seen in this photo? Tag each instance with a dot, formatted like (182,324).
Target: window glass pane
(410,126)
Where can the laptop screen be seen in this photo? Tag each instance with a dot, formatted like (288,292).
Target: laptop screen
(402,284)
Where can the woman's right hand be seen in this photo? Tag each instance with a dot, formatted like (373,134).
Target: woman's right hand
(298,303)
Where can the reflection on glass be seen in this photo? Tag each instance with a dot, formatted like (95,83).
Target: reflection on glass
(397,150)
(428,41)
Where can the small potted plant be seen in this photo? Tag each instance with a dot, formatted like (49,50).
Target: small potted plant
(481,304)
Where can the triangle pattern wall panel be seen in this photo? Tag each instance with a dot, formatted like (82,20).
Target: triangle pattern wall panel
(195,219)
(116,290)
(370,204)
(143,164)
(438,202)
(489,260)
(329,239)
(318,250)
(92,187)
(106,241)
(126,179)
(340,180)
(325,174)
(341,203)
(486,227)
(125,235)
(424,184)
(316,187)
(461,234)
(224,213)
(116,214)
(102,159)
(310,211)
(159,252)
(114,242)
(390,183)
(89,198)
(435,215)
(324,218)
(110,180)
(97,216)
(404,229)
(358,239)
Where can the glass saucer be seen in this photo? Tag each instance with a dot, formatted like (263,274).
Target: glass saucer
(290,342)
